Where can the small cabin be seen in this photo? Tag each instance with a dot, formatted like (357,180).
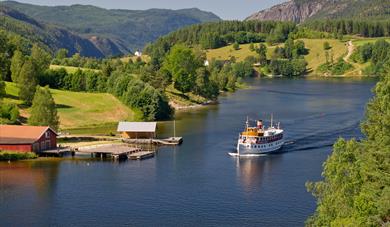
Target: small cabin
(21,138)
(137,130)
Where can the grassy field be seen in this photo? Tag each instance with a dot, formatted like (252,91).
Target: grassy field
(316,55)
(71,69)
(82,112)
(225,53)
(181,100)
(362,41)
(315,58)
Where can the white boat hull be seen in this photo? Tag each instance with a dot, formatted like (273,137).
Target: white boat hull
(247,148)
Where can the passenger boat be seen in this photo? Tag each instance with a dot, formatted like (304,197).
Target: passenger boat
(259,140)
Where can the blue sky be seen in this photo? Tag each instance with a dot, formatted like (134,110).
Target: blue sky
(226,9)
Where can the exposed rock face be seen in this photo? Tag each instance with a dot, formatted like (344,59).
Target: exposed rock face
(290,11)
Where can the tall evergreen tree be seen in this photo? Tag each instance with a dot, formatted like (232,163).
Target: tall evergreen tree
(17,62)
(5,54)
(43,111)
(27,82)
(62,53)
(2,88)
(40,58)
(262,51)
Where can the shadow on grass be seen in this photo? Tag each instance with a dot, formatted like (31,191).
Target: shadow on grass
(182,95)
(62,106)
(11,97)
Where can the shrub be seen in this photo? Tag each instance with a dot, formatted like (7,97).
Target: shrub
(14,156)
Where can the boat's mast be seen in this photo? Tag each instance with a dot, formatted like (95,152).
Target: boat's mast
(247,123)
(272,119)
(174,128)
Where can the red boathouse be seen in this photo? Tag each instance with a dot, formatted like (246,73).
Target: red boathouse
(27,138)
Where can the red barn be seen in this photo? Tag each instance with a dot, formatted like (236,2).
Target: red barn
(27,138)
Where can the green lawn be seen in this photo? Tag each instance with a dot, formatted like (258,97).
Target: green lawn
(181,99)
(315,58)
(316,55)
(81,110)
(362,41)
(71,69)
(225,53)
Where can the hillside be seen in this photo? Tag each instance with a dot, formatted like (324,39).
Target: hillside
(315,57)
(303,10)
(114,31)
(52,37)
(79,109)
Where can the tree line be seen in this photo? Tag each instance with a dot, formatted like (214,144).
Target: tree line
(377,54)
(364,28)
(218,34)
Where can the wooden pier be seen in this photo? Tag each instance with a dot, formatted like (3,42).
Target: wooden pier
(116,151)
(58,152)
(141,155)
(172,141)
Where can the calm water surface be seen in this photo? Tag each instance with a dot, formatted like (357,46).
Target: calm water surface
(198,184)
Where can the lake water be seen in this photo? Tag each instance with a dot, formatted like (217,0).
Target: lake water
(198,183)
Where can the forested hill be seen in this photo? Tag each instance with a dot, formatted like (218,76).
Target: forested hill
(302,10)
(51,37)
(122,30)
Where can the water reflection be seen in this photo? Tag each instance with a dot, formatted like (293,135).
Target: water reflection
(252,170)
(41,177)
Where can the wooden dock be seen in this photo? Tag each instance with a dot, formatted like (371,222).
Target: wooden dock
(141,155)
(116,151)
(172,141)
(58,152)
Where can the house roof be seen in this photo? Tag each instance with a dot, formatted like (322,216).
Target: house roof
(137,126)
(21,134)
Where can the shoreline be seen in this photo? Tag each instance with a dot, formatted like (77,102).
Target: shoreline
(179,107)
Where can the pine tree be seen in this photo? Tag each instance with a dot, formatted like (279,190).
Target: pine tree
(27,82)
(2,88)
(252,47)
(62,53)
(43,111)
(17,62)
(262,51)
(236,46)
(4,55)
(40,58)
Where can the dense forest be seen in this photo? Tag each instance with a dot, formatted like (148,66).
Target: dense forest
(376,54)
(218,34)
(341,27)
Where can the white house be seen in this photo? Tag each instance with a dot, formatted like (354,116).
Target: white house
(138,53)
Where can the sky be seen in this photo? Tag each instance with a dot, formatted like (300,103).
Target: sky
(226,9)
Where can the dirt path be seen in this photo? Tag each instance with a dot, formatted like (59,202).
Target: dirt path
(350,48)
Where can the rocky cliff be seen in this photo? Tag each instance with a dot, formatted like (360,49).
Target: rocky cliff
(290,11)
(301,10)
